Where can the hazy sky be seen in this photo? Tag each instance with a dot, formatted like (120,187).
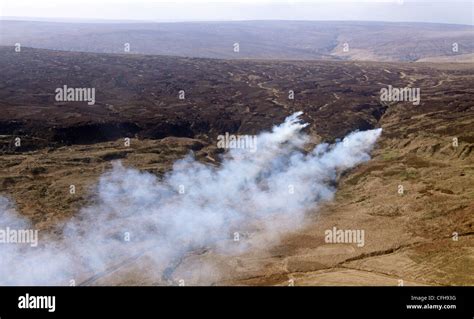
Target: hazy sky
(447,11)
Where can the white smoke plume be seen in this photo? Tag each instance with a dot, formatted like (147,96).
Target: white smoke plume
(267,192)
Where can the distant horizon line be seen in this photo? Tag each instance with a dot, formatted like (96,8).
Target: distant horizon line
(105,20)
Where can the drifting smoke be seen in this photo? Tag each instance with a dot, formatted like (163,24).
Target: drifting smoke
(267,192)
